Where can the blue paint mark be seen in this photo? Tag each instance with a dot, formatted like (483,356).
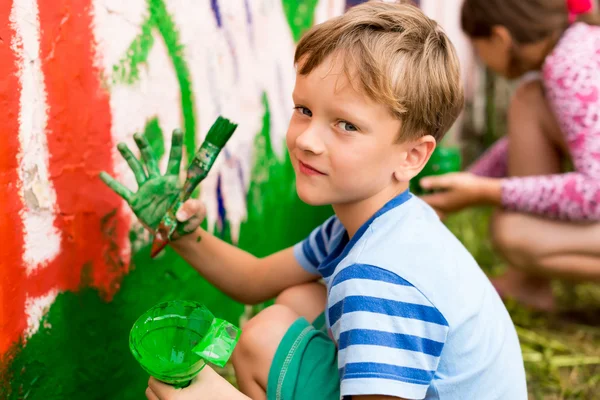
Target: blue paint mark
(352,3)
(238,164)
(215,8)
(249,22)
(221,208)
(248,13)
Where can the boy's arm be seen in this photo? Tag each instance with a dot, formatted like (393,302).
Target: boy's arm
(242,276)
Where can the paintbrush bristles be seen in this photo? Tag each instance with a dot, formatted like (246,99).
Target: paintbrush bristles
(220,132)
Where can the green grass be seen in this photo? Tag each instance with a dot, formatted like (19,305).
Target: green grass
(561,350)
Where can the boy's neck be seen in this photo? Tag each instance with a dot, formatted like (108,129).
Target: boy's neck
(354,215)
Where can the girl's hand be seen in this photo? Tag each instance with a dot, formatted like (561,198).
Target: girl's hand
(208,385)
(461,190)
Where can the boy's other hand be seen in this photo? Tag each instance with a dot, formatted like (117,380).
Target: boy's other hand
(189,217)
(460,190)
(156,192)
(208,385)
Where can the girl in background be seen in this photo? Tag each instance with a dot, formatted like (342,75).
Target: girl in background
(547,223)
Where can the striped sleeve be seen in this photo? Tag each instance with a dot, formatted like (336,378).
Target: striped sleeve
(315,248)
(390,337)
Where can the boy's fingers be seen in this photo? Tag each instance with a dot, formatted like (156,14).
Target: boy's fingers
(119,189)
(162,391)
(187,227)
(150,394)
(147,155)
(189,209)
(134,163)
(176,150)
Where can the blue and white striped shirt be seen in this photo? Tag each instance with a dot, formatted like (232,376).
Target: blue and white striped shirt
(411,313)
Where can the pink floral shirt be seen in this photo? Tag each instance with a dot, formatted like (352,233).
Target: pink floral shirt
(571,76)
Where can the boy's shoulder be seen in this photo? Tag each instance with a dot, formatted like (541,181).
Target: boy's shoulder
(411,242)
(410,231)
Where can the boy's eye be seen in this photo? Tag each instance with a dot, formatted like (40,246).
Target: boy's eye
(303,111)
(347,126)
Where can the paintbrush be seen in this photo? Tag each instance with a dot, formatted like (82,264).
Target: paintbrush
(203,160)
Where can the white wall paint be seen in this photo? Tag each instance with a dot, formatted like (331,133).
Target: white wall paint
(41,238)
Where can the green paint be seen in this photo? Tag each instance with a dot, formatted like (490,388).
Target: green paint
(300,15)
(154,134)
(81,350)
(173,341)
(127,71)
(156,193)
(216,138)
(166,26)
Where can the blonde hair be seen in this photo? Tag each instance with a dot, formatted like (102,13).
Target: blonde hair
(402,59)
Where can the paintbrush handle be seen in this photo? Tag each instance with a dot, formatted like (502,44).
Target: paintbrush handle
(198,170)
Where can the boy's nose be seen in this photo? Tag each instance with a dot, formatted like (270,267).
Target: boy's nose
(310,140)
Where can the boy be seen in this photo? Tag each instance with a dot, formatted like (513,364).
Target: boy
(406,313)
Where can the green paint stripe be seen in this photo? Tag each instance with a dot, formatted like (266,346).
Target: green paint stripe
(165,24)
(300,15)
(127,71)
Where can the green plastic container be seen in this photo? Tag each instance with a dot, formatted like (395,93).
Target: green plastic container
(174,340)
(443,160)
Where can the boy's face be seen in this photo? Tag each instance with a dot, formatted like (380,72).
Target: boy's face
(342,144)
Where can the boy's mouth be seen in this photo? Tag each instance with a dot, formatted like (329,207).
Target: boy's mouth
(309,170)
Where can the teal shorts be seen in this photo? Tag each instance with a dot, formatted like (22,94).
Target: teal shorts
(305,364)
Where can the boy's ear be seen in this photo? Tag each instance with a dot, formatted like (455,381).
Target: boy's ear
(416,154)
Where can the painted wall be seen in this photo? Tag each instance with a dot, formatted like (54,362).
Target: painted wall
(76,78)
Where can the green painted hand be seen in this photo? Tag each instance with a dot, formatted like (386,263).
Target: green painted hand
(155,192)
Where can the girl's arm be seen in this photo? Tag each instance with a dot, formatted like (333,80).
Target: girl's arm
(494,162)
(572,85)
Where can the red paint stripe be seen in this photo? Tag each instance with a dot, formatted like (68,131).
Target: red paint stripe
(93,230)
(80,146)
(12,297)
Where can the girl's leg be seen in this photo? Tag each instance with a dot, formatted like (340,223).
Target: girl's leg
(261,336)
(540,249)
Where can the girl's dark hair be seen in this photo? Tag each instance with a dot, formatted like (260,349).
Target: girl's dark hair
(528,21)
